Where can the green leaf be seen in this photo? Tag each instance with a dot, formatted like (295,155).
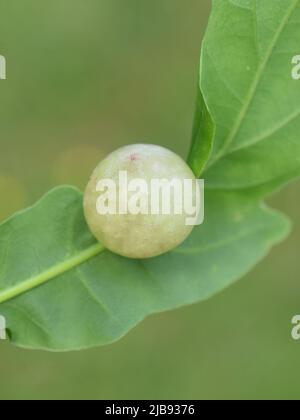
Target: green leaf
(61,290)
(248,87)
(87,296)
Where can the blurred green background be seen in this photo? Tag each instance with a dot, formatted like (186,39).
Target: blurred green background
(85,77)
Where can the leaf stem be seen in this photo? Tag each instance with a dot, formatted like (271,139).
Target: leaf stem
(50,274)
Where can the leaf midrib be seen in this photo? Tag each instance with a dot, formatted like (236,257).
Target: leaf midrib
(51,273)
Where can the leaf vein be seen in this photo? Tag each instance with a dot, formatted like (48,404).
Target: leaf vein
(216,245)
(93,295)
(253,87)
